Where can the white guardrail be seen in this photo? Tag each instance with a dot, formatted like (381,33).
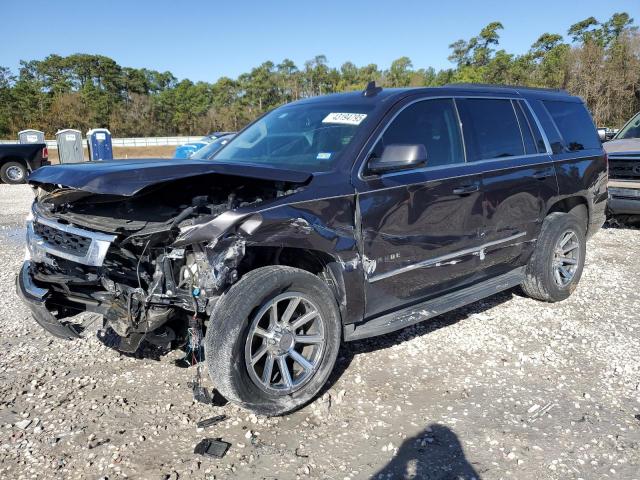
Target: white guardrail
(128,142)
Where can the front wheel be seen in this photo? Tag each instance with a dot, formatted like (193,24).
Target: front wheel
(555,267)
(273,339)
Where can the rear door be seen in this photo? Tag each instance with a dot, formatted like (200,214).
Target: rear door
(518,177)
(420,227)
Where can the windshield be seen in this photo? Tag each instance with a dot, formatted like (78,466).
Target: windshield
(207,152)
(299,137)
(631,129)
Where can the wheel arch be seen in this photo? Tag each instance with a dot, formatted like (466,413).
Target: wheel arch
(11,158)
(330,269)
(576,205)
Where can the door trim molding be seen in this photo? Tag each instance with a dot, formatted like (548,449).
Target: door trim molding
(438,261)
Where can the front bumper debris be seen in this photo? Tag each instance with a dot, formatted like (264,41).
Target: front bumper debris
(35,298)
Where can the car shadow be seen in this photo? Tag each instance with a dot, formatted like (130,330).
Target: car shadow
(350,349)
(436,453)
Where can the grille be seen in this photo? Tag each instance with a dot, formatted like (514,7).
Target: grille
(624,169)
(63,241)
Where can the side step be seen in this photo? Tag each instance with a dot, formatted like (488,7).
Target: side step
(432,308)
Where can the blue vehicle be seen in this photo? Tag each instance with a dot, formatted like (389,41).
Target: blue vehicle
(188,149)
(207,152)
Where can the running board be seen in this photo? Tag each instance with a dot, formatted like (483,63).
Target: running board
(423,311)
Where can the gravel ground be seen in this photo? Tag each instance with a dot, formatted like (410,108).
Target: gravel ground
(505,388)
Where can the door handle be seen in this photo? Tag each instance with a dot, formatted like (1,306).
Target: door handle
(542,174)
(466,189)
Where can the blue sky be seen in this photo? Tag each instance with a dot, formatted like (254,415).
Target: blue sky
(204,40)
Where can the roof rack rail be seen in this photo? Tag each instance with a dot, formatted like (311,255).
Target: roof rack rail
(516,87)
(371,89)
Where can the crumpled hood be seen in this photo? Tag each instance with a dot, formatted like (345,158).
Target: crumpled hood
(624,145)
(128,177)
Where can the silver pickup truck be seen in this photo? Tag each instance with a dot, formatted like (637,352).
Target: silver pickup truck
(624,169)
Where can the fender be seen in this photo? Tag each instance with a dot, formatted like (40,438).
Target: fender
(296,226)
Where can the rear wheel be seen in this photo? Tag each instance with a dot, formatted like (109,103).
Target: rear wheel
(555,267)
(13,173)
(273,339)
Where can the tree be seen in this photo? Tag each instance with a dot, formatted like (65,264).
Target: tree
(399,74)
(599,62)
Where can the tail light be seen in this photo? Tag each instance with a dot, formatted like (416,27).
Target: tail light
(45,153)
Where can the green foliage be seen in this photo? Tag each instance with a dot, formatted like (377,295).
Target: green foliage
(600,62)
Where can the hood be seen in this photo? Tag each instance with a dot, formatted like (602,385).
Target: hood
(128,177)
(626,145)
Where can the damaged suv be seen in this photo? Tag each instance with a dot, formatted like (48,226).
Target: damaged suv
(330,219)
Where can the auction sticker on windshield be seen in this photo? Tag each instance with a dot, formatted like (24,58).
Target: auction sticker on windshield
(345,118)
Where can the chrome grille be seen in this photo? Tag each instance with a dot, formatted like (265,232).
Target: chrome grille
(63,241)
(48,238)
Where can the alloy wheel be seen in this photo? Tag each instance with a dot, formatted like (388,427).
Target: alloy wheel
(566,258)
(15,173)
(285,343)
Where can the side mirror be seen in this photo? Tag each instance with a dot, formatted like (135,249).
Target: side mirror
(602,133)
(399,157)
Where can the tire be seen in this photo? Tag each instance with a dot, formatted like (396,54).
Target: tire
(543,281)
(245,309)
(13,173)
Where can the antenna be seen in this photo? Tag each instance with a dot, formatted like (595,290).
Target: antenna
(371,89)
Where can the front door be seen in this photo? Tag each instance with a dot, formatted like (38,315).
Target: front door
(420,228)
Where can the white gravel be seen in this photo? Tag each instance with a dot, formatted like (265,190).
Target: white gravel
(505,388)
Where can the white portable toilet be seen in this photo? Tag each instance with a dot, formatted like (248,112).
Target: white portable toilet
(31,136)
(70,146)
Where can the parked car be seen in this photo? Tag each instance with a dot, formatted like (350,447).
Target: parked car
(624,169)
(188,149)
(207,152)
(17,161)
(332,218)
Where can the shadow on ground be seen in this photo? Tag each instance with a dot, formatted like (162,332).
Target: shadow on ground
(436,453)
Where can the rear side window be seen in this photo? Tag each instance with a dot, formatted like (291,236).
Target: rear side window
(432,123)
(491,128)
(574,123)
(525,128)
(540,146)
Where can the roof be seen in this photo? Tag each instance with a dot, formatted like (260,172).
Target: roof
(386,94)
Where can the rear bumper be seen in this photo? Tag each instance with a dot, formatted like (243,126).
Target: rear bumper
(35,298)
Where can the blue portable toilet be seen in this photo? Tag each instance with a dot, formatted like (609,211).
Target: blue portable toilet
(99,142)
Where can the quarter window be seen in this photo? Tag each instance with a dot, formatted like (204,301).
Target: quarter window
(432,123)
(575,125)
(491,128)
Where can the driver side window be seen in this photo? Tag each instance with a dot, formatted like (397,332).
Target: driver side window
(432,123)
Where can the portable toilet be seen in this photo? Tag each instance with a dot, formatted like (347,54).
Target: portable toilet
(99,142)
(70,146)
(31,136)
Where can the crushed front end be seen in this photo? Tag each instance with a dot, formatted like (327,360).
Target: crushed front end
(134,260)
